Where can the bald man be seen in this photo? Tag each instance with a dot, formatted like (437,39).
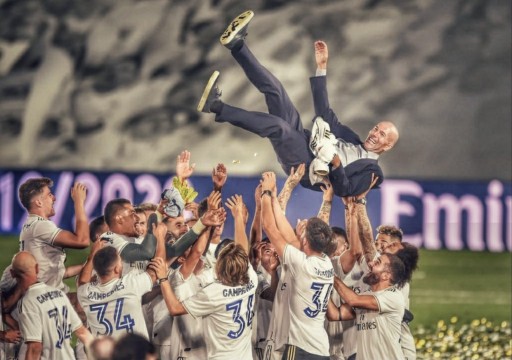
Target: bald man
(332,151)
(46,317)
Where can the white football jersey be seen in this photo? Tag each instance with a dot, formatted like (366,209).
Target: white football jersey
(188,337)
(114,308)
(119,242)
(407,340)
(263,310)
(36,237)
(227,316)
(354,280)
(280,316)
(47,316)
(379,331)
(311,288)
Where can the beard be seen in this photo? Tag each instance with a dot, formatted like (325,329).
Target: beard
(371,279)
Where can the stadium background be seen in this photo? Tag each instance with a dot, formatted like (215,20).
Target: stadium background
(108,87)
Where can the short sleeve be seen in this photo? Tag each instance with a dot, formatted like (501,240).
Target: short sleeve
(199,305)
(390,300)
(46,231)
(141,282)
(115,241)
(30,322)
(293,258)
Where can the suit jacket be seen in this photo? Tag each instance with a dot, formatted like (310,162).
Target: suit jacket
(355,178)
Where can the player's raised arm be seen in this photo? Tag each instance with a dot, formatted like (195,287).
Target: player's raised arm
(79,239)
(240,215)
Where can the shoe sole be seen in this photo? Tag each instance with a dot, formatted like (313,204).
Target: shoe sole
(207,90)
(234,27)
(321,172)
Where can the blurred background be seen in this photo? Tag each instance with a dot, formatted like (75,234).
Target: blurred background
(104,92)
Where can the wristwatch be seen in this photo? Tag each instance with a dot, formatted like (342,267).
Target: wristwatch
(266,192)
(160,281)
(361,201)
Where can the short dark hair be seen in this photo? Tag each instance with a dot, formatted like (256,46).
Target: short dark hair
(133,347)
(409,255)
(392,231)
(318,234)
(397,270)
(94,227)
(336,230)
(139,210)
(31,188)
(104,259)
(147,206)
(112,208)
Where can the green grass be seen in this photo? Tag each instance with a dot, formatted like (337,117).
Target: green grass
(468,285)
(9,246)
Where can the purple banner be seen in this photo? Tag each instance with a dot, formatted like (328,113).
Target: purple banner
(433,214)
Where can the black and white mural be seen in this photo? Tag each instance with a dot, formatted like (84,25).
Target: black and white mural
(113,84)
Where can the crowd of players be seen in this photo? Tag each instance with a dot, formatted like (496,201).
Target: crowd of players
(163,280)
(166,273)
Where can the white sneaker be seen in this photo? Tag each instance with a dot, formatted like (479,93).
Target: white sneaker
(320,135)
(320,167)
(326,152)
(315,167)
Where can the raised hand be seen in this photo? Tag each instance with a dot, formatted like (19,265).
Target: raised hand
(257,196)
(268,182)
(96,246)
(372,184)
(159,266)
(183,168)
(159,230)
(219,176)
(327,190)
(214,200)
(295,176)
(321,54)
(79,193)
(237,206)
(214,217)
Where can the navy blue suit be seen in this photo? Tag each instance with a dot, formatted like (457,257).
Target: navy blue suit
(283,127)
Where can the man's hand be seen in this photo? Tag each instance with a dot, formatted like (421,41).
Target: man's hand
(257,196)
(96,246)
(159,230)
(327,190)
(295,176)
(372,184)
(237,206)
(183,168)
(10,336)
(214,217)
(159,266)
(219,176)
(321,54)
(268,182)
(214,200)
(78,193)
